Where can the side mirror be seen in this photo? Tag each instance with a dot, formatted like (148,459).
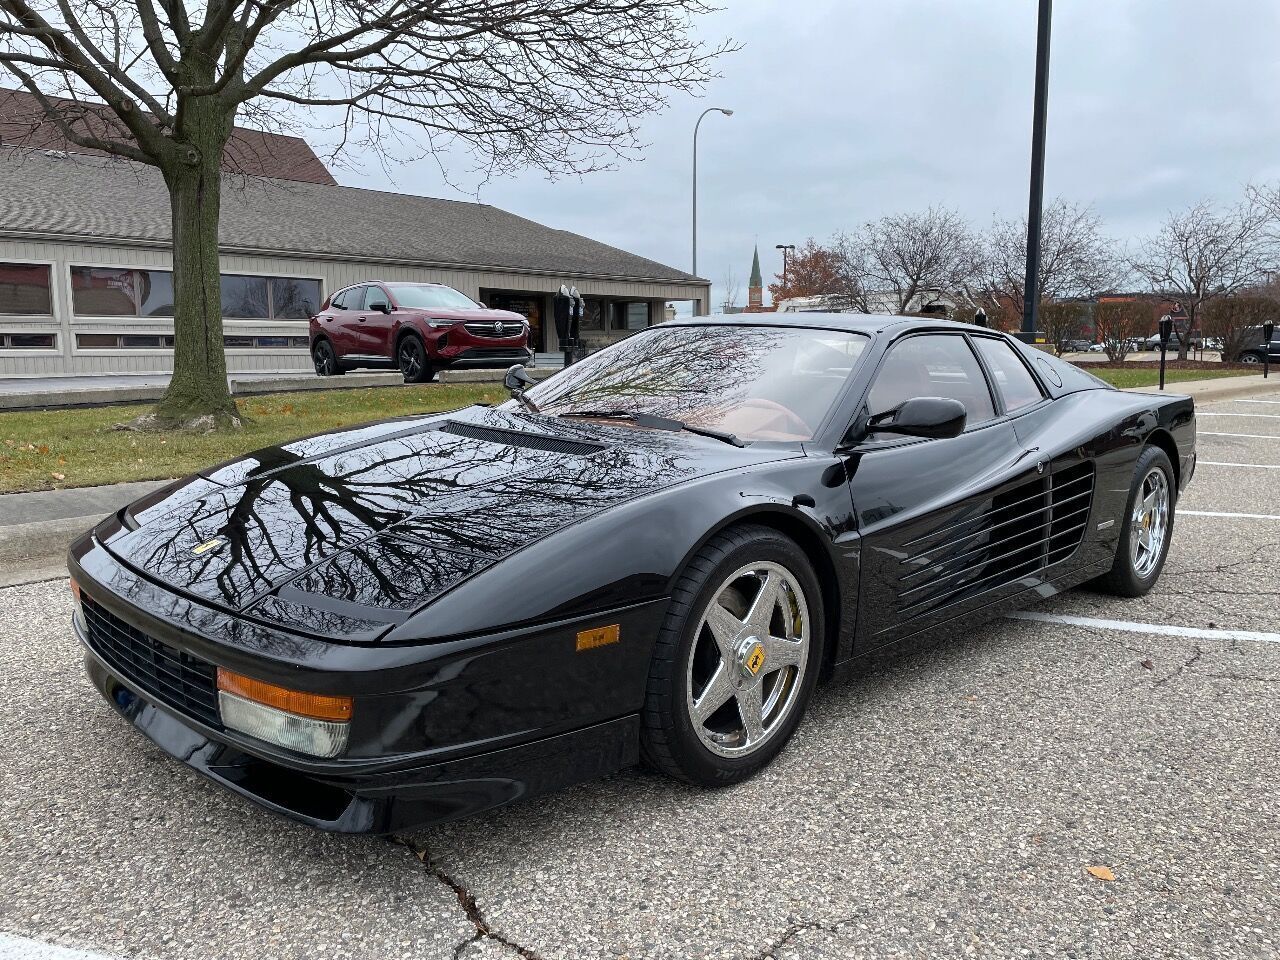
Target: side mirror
(381,306)
(934,418)
(517,378)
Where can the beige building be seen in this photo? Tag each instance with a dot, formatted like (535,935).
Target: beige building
(85,256)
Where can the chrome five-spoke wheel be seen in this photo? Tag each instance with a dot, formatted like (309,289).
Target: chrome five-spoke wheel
(1149,522)
(748,661)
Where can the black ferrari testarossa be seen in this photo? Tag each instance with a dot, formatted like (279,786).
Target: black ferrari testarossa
(654,554)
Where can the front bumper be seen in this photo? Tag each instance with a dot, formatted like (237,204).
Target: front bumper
(441,730)
(482,358)
(333,798)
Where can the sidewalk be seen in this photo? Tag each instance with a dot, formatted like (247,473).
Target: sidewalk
(37,393)
(36,528)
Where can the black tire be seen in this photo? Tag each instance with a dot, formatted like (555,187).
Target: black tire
(668,740)
(411,357)
(1250,357)
(1125,579)
(325,360)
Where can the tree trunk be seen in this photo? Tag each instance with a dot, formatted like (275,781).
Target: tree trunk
(198,396)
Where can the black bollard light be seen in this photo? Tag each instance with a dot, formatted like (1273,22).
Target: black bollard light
(577,308)
(1268,329)
(1166,330)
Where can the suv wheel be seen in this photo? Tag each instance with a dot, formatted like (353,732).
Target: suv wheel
(325,360)
(1250,358)
(411,356)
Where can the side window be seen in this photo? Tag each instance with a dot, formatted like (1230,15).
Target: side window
(341,300)
(1016,384)
(373,294)
(932,365)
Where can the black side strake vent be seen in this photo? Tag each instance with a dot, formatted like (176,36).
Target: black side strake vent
(1001,542)
(1013,534)
(1072,496)
(519,438)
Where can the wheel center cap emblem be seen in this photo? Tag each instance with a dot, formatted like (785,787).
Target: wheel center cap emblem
(751,656)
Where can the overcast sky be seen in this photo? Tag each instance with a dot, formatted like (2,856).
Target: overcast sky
(845,111)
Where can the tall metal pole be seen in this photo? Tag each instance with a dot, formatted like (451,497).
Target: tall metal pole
(1035,205)
(727,113)
(785,248)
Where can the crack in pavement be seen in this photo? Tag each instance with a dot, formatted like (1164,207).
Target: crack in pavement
(466,900)
(831,927)
(1196,654)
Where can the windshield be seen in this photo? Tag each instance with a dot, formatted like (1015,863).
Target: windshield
(418,297)
(759,383)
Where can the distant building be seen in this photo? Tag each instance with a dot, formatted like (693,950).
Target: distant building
(755,287)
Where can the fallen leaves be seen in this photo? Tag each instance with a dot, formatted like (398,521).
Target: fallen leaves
(58,476)
(1102,873)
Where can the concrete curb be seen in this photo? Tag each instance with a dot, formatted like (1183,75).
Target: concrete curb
(489,376)
(71,396)
(41,540)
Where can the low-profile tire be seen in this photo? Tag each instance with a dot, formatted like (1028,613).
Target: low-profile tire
(325,360)
(411,357)
(748,599)
(1147,527)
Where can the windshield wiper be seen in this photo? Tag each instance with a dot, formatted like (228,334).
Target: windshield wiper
(654,422)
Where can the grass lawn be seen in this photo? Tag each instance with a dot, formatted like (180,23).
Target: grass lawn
(51,449)
(1149,378)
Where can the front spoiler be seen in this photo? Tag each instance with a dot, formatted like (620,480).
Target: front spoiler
(387,801)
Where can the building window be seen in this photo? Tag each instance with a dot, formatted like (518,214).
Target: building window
(24,289)
(27,341)
(144,341)
(632,315)
(117,292)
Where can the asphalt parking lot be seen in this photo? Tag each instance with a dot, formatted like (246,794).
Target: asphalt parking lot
(949,804)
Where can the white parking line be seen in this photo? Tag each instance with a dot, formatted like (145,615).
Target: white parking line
(20,948)
(1211,513)
(1161,629)
(1260,416)
(1256,466)
(1257,401)
(1244,436)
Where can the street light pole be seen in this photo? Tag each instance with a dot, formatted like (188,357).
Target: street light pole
(784,247)
(1035,205)
(727,113)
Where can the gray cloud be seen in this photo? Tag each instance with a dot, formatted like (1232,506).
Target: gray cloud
(846,111)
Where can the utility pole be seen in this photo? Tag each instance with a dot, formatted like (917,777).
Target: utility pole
(1035,205)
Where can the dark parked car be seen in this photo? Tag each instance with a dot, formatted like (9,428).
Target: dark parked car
(1074,346)
(1254,353)
(418,327)
(653,555)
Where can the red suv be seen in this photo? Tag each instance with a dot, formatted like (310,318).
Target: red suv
(418,327)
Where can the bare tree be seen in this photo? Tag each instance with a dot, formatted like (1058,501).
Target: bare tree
(1120,321)
(732,289)
(912,254)
(1238,322)
(1200,254)
(1061,320)
(1076,260)
(558,85)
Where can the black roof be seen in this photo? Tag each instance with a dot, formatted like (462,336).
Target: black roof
(856,322)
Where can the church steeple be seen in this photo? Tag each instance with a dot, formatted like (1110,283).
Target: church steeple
(755,287)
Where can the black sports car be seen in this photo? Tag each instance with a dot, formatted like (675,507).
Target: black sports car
(656,553)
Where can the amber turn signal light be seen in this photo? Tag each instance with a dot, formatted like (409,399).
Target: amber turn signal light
(317,706)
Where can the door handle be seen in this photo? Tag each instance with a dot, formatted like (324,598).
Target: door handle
(362,319)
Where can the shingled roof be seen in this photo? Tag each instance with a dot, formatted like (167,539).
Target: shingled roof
(45,196)
(250,152)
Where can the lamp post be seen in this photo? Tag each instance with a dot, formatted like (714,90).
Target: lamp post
(1268,329)
(784,247)
(1035,204)
(727,113)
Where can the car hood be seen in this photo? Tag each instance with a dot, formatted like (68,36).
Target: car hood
(346,534)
